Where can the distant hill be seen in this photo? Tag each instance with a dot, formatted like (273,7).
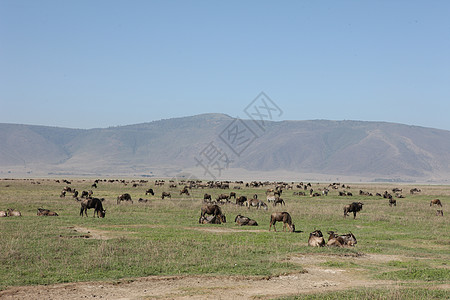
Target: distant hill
(338,148)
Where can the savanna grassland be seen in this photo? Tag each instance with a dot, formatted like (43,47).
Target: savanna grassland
(402,252)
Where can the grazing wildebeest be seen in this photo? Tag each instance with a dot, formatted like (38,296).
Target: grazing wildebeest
(46,212)
(184,191)
(341,240)
(241,200)
(233,195)
(3,214)
(94,203)
(165,194)
(316,239)
(436,201)
(284,217)
(84,194)
(440,212)
(207,198)
(14,213)
(94,185)
(256,203)
(223,197)
(241,221)
(213,209)
(209,220)
(392,201)
(149,191)
(280,201)
(75,194)
(63,194)
(124,197)
(354,207)
(270,198)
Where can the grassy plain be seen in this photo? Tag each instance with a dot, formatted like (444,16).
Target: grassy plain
(163,237)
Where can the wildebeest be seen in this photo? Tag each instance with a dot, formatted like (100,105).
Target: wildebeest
(94,203)
(46,212)
(232,195)
(184,191)
(149,191)
(316,239)
(142,200)
(440,212)
(3,214)
(392,201)
(165,194)
(13,213)
(207,198)
(222,197)
(84,194)
(284,217)
(270,198)
(414,190)
(436,201)
(124,197)
(354,207)
(256,203)
(241,221)
(280,201)
(241,200)
(213,209)
(209,220)
(341,240)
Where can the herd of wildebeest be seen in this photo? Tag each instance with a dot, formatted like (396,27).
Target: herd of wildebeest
(211,210)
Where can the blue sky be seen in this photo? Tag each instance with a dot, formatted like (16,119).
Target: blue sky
(86,64)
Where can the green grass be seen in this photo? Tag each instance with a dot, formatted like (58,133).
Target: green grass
(163,237)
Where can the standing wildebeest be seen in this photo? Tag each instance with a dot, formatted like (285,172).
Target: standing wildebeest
(149,191)
(165,194)
(214,210)
(184,191)
(284,217)
(280,201)
(84,194)
(392,201)
(207,198)
(316,239)
(436,201)
(94,203)
(223,197)
(14,213)
(124,197)
(233,195)
(256,203)
(241,221)
(270,198)
(46,212)
(241,200)
(354,207)
(440,212)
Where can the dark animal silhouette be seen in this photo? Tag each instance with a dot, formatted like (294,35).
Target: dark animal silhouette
(124,197)
(166,195)
(353,207)
(94,203)
(149,191)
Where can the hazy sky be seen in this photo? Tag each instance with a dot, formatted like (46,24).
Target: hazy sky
(85,64)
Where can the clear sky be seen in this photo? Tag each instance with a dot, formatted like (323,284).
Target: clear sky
(86,64)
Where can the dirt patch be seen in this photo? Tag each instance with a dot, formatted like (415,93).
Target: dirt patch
(313,279)
(223,230)
(90,233)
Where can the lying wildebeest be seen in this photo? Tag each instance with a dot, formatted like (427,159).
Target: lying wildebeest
(213,209)
(46,212)
(392,201)
(207,198)
(316,239)
(256,203)
(414,190)
(241,220)
(13,213)
(440,212)
(124,197)
(241,200)
(354,207)
(341,240)
(149,191)
(284,217)
(436,201)
(94,203)
(280,201)
(209,220)
(3,214)
(165,194)
(142,200)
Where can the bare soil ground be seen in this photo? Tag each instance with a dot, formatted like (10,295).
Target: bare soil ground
(314,279)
